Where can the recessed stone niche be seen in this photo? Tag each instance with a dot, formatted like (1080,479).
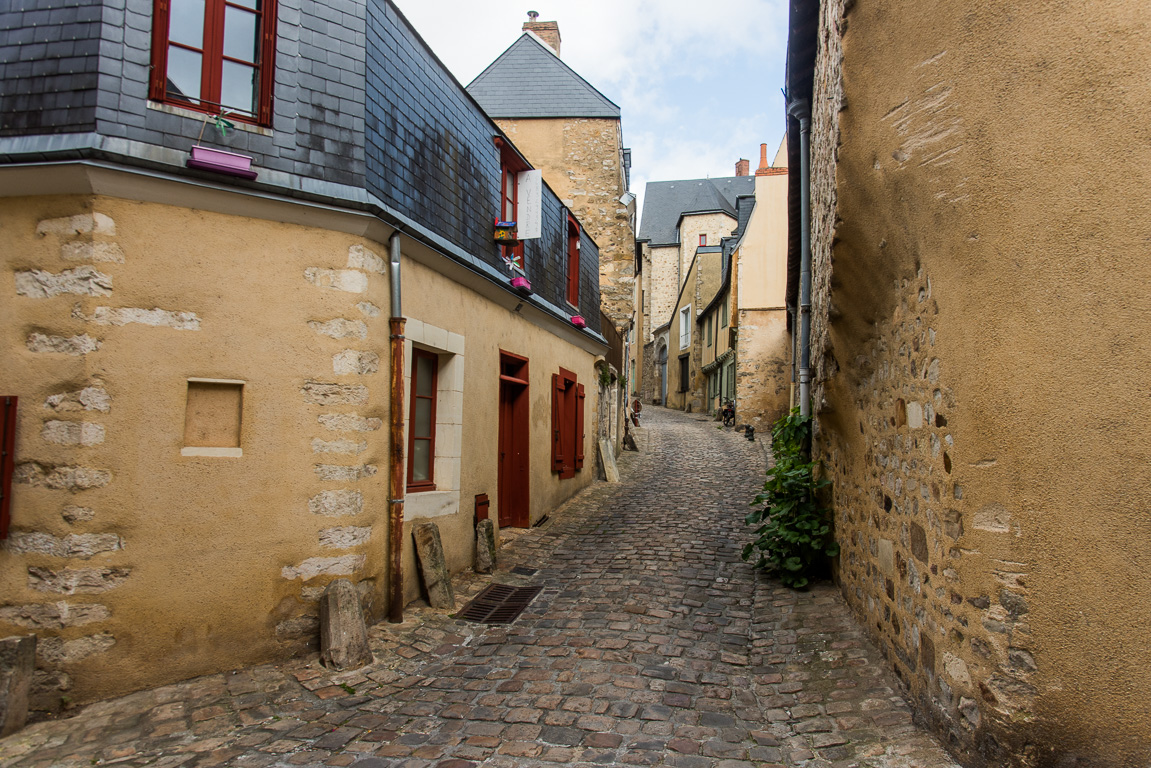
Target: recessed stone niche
(213,417)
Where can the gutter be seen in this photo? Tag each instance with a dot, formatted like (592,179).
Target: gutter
(396,502)
(800,109)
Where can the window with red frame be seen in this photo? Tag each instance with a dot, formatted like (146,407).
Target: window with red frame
(703,239)
(573,262)
(422,421)
(511,164)
(215,56)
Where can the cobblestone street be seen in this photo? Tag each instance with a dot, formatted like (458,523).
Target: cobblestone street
(652,643)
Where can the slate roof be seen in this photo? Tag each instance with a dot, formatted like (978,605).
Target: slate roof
(529,80)
(666,201)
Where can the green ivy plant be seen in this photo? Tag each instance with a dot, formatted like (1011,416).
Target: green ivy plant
(793,536)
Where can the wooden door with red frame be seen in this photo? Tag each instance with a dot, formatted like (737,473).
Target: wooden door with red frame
(514,506)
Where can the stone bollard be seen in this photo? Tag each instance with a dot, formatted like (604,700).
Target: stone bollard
(433,566)
(17,662)
(485,547)
(343,633)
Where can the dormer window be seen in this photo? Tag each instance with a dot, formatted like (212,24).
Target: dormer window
(215,56)
(512,165)
(573,262)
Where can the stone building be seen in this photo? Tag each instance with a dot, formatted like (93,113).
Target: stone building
(714,257)
(679,218)
(978,352)
(573,134)
(744,329)
(201,348)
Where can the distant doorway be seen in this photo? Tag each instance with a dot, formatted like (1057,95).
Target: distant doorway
(512,477)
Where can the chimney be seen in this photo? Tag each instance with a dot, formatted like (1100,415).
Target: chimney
(548,31)
(742,168)
(764,167)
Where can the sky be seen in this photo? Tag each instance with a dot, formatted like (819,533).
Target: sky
(698,81)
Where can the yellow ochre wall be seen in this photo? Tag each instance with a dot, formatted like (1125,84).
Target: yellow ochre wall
(124,551)
(981,362)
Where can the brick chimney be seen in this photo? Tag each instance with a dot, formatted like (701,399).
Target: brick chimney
(764,166)
(742,168)
(548,31)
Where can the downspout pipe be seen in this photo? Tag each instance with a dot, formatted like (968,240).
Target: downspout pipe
(800,109)
(396,502)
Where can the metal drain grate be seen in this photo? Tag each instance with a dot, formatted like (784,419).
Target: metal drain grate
(499,604)
(523,570)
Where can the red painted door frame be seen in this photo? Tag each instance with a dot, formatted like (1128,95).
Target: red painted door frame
(514,497)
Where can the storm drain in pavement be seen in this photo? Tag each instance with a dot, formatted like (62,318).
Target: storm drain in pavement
(499,604)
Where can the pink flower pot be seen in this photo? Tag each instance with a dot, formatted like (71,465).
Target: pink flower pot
(578,321)
(522,285)
(208,159)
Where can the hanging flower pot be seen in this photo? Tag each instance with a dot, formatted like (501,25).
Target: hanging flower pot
(217,160)
(578,321)
(522,285)
(209,159)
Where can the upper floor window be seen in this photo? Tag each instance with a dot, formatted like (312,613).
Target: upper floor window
(685,327)
(573,262)
(215,56)
(512,165)
(703,239)
(509,204)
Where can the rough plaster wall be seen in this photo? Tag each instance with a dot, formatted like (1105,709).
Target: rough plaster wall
(581,159)
(123,550)
(762,367)
(115,533)
(972,350)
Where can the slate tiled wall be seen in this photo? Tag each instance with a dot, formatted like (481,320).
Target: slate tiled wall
(431,156)
(359,100)
(49,50)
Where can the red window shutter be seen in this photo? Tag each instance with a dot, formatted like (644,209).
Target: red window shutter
(579,427)
(557,423)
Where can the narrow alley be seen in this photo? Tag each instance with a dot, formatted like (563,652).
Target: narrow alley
(651,643)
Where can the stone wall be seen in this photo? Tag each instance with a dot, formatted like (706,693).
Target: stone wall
(968,413)
(582,160)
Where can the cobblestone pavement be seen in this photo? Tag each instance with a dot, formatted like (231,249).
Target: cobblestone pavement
(651,644)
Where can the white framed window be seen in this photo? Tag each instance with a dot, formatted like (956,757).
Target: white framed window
(436,356)
(685,327)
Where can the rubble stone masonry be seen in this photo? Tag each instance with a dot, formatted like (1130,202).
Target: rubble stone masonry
(974,356)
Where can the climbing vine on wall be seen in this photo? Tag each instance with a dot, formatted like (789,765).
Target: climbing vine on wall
(793,536)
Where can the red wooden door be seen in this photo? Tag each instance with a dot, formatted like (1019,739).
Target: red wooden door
(512,476)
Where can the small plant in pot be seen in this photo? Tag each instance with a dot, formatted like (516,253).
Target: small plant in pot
(793,536)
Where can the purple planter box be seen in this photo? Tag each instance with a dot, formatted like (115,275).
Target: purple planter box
(208,159)
(522,285)
(578,321)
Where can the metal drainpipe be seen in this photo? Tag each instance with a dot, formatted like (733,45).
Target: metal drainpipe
(396,503)
(800,109)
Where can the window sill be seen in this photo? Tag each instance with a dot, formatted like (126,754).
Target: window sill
(214,452)
(198,116)
(420,488)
